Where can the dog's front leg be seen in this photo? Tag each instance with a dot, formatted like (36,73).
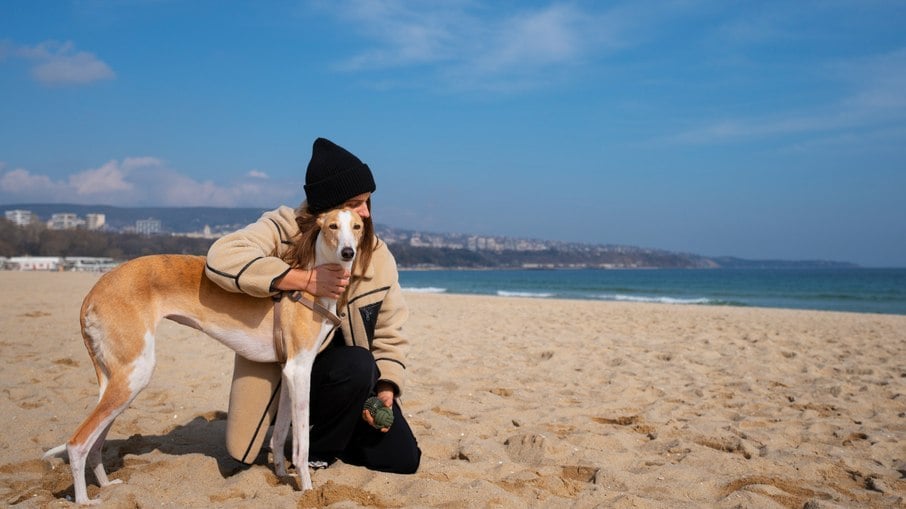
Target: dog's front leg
(281,428)
(297,373)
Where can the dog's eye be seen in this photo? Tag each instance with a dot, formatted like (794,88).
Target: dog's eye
(333,226)
(357,227)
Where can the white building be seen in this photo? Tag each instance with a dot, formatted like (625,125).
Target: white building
(204,234)
(65,221)
(148,226)
(34,263)
(19,217)
(95,221)
(88,263)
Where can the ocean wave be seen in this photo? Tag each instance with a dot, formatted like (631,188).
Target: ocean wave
(659,300)
(426,289)
(541,295)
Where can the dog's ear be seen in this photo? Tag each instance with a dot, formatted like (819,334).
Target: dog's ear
(320,221)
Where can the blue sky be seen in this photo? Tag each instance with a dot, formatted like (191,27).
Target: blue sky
(754,129)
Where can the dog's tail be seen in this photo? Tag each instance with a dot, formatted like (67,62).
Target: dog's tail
(57,452)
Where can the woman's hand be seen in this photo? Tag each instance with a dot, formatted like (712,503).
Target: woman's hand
(385,393)
(328,280)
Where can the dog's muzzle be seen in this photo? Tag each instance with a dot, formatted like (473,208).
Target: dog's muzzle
(347,253)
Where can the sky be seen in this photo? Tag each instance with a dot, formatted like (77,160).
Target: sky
(764,130)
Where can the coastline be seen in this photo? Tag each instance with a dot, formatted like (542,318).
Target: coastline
(860,290)
(515,402)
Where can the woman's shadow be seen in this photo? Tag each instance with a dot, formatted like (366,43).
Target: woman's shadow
(202,435)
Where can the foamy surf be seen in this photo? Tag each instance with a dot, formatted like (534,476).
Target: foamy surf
(658,300)
(427,289)
(536,295)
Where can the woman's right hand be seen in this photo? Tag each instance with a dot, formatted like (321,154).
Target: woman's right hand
(328,280)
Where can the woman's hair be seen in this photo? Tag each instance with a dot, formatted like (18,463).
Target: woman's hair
(302,252)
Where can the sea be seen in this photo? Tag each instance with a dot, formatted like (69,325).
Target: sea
(861,290)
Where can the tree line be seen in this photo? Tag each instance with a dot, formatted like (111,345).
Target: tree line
(37,240)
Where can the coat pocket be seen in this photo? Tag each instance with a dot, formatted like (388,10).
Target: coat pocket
(369,319)
(364,312)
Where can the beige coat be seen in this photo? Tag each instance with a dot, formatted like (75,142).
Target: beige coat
(248,261)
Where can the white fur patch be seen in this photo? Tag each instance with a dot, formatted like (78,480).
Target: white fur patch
(346,237)
(143,366)
(254,345)
(95,333)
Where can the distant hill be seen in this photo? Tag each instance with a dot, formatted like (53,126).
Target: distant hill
(729,262)
(426,249)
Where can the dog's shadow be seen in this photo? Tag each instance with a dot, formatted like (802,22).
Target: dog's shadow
(202,435)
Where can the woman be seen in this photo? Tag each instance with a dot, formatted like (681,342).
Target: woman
(365,356)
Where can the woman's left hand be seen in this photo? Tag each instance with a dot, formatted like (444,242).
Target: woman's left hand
(385,393)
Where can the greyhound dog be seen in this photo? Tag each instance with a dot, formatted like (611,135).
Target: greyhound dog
(120,315)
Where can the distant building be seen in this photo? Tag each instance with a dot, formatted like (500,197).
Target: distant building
(95,221)
(19,217)
(65,221)
(148,226)
(206,233)
(34,263)
(88,263)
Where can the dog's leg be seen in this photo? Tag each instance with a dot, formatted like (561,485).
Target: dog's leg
(297,373)
(119,388)
(281,430)
(88,439)
(95,460)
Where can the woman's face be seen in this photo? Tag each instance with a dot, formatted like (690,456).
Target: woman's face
(359,204)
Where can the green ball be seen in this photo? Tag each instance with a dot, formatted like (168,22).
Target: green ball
(383,416)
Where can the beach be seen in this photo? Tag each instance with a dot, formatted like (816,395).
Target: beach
(515,402)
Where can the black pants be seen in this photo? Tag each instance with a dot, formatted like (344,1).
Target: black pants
(342,378)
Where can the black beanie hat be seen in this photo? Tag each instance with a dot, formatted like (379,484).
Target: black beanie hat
(334,175)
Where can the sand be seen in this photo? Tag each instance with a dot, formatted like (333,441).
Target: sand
(515,403)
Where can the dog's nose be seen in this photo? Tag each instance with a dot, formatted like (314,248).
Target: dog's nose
(347,253)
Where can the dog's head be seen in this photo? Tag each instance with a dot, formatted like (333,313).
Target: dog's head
(341,231)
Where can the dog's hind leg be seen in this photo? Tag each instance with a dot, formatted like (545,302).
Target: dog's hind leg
(95,460)
(119,386)
(84,448)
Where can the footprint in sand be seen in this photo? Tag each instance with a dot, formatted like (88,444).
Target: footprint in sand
(528,448)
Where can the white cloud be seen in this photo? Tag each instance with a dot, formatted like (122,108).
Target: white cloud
(55,63)
(107,178)
(880,79)
(469,46)
(137,163)
(148,181)
(872,102)
(21,182)
(550,36)
(405,35)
